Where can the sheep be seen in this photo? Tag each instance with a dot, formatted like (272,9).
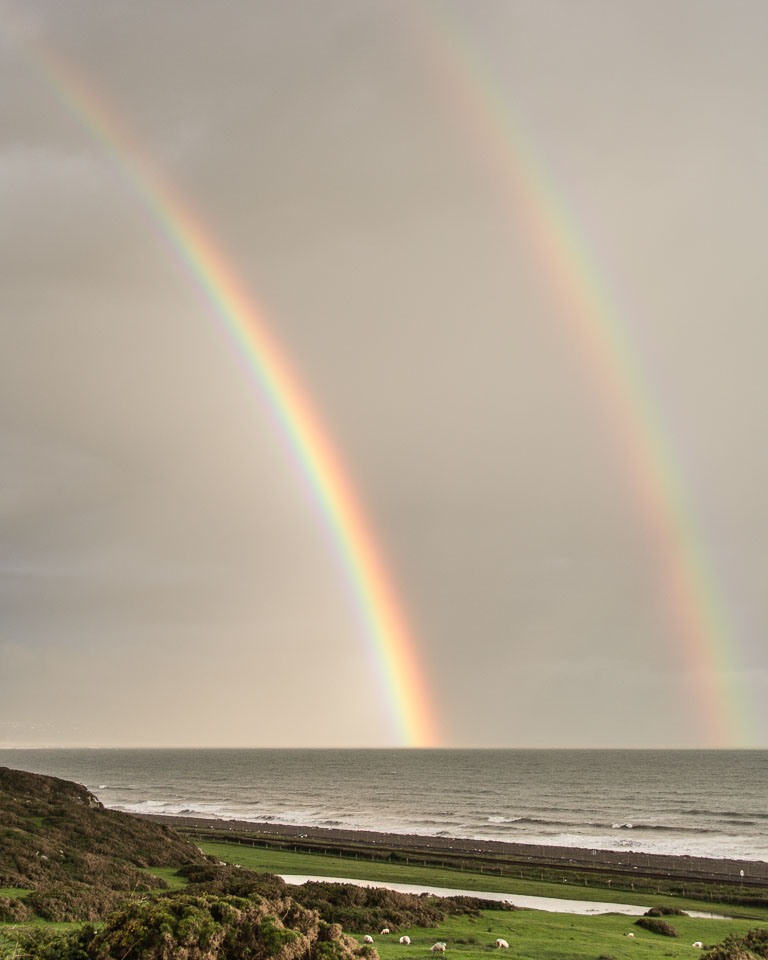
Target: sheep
(630,934)
(438,947)
(367,938)
(405,940)
(501,942)
(384,932)
(697,943)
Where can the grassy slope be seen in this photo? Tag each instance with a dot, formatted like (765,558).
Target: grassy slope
(533,935)
(276,861)
(169,874)
(54,832)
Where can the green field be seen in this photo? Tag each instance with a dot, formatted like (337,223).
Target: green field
(279,861)
(531,934)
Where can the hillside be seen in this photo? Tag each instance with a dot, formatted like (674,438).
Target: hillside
(63,856)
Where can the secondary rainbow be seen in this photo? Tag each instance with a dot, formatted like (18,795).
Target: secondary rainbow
(706,646)
(389,635)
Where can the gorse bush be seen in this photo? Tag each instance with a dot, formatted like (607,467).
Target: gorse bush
(40,943)
(66,902)
(752,944)
(363,909)
(234,881)
(201,928)
(657,926)
(13,910)
(367,909)
(79,859)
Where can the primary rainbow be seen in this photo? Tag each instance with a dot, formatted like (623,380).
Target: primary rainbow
(400,673)
(706,645)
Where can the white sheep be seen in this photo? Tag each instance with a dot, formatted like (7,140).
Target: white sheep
(384,932)
(630,934)
(697,943)
(501,942)
(438,947)
(405,940)
(367,938)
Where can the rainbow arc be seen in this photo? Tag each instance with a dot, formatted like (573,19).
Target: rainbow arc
(705,641)
(706,646)
(389,636)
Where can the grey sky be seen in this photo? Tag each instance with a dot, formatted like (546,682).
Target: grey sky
(165,577)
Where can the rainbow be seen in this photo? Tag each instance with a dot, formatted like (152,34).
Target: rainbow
(705,641)
(401,675)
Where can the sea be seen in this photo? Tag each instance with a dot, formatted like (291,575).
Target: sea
(711,803)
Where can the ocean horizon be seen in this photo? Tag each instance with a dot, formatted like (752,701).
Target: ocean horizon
(684,802)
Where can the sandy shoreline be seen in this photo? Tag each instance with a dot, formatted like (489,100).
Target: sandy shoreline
(623,861)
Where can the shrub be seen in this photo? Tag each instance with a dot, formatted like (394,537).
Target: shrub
(754,943)
(228,880)
(62,902)
(369,908)
(13,910)
(57,834)
(38,943)
(665,912)
(657,926)
(201,928)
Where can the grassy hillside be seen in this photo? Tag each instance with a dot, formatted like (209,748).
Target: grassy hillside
(64,857)
(158,897)
(231,927)
(533,935)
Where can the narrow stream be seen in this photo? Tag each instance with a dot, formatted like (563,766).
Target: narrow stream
(550,904)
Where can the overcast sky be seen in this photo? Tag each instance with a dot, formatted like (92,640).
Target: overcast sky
(165,576)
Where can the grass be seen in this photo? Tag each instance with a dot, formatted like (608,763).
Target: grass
(36,821)
(606,876)
(14,893)
(9,949)
(281,861)
(533,935)
(169,874)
